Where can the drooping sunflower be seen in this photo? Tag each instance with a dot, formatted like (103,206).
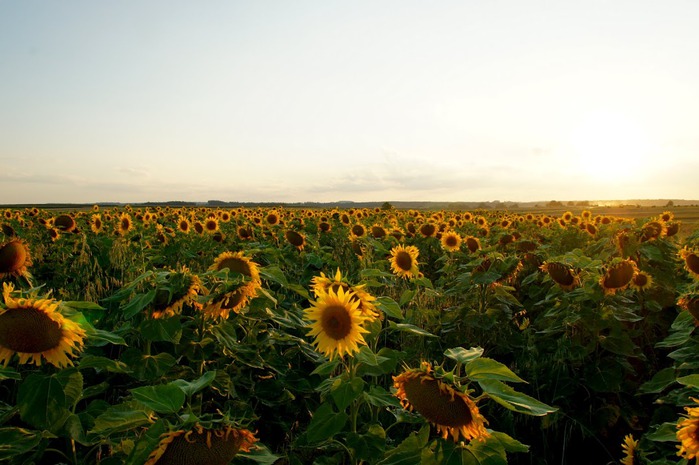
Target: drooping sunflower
(666,216)
(234,299)
(336,323)
(378,232)
(324,227)
(629,447)
(64,223)
(34,329)
(244,233)
(690,303)
(652,230)
(201,446)
(125,224)
(618,276)
(451,241)
(428,229)
(561,274)
(688,433)
(672,228)
(473,244)
(182,289)
(444,405)
(15,258)
(8,230)
(295,238)
(691,261)
(404,261)
(198,227)
(96,223)
(641,281)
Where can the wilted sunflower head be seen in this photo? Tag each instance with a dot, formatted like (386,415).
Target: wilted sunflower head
(337,323)
(691,261)
(561,274)
(14,258)
(404,261)
(688,433)
(652,230)
(618,276)
(201,446)
(441,403)
(34,329)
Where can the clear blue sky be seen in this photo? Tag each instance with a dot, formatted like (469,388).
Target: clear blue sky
(348,100)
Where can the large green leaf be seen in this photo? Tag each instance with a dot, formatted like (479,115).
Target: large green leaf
(100,363)
(660,381)
(390,307)
(325,424)
(484,368)
(408,328)
(164,398)
(344,392)
(122,417)
(100,337)
(161,329)
(72,382)
(462,355)
(409,451)
(138,304)
(148,367)
(689,380)
(42,402)
(9,373)
(16,441)
(514,400)
(192,387)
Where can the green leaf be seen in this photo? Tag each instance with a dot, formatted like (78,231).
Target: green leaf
(148,367)
(99,338)
(326,368)
(368,357)
(408,452)
(381,363)
(164,398)
(102,363)
(42,402)
(122,417)
(260,454)
(82,305)
(660,381)
(72,383)
(9,373)
(509,443)
(138,304)
(488,452)
(407,296)
(408,328)
(325,424)
(161,329)
(676,339)
(16,441)
(379,397)
(192,387)
(620,344)
(462,355)
(390,307)
(689,380)
(484,368)
(368,445)
(666,432)
(274,274)
(344,392)
(514,400)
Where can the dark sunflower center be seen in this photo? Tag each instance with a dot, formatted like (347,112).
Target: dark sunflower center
(336,322)
(428,229)
(29,330)
(235,264)
(692,261)
(451,241)
(437,406)
(294,238)
(640,280)
(13,256)
(404,261)
(358,230)
(472,244)
(233,300)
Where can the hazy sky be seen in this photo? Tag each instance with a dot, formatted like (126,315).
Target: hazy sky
(348,100)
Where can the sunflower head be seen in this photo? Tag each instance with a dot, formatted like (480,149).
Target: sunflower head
(64,223)
(687,433)
(428,229)
(618,276)
(451,241)
(441,403)
(201,446)
(629,447)
(473,244)
(33,329)
(180,289)
(641,281)
(295,238)
(337,323)
(404,261)
(357,230)
(14,258)
(561,274)
(690,303)
(691,261)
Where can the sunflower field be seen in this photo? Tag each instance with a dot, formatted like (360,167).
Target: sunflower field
(293,336)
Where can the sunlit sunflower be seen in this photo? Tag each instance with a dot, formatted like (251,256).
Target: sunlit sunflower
(272,218)
(618,276)
(54,234)
(561,274)
(404,261)
(225,216)
(15,258)
(336,323)
(667,216)
(449,409)
(672,228)
(295,238)
(652,230)
(64,223)
(182,289)
(238,263)
(183,225)
(688,433)
(641,281)
(96,224)
(324,227)
(629,447)
(201,446)
(125,224)
(211,225)
(691,261)
(34,329)
(451,241)
(322,284)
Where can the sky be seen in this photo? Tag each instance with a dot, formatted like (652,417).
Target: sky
(363,100)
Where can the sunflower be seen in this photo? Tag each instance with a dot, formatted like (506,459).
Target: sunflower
(629,447)
(33,328)
(652,230)
(691,261)
(428,229)
(182,289)
(688,433)
(472,243)
(618,276)
(14,258)
(452,411)
(561,274)
(641,281)
(667,216)
(324,227)
(235,299)
(336,323)
(239,263)
(690,303)
(404,261)
(244,233)
(451,241)
(272,218)
(358,230)
(211,225)
(295,238)
(8,230)
(672,228)
(322,284)
(54,234)
(96,223)
(64,223)
(125,224)
(201,446)
(183,225)
(378,232)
